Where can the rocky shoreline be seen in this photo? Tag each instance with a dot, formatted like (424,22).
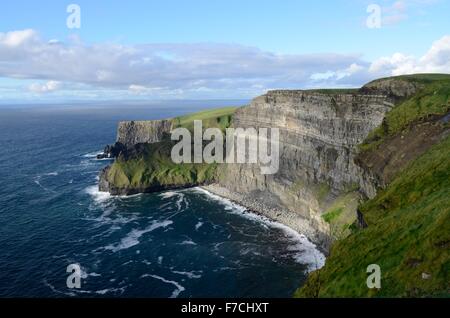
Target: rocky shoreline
(290,219)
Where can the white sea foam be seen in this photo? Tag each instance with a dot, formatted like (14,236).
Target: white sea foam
(46,283)
(190,275)
(99,197)
(187,242)
(180,199)
(133,237)
(179,289)
(93,154)
(168,194)
(306,252)
(84,274)
(229,205)
(38,178)
(198,225)
(110,290)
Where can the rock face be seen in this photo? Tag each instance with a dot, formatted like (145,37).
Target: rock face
(130,133)
(392,87)
(318,138)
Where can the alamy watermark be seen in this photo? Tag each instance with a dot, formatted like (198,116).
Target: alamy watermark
(374,19)
(74,279)
(74,19)
(374,279)
(253,146)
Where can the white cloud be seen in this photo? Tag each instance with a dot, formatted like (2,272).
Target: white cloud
(47,87)
(395,13)
(436,60)
(150,68)
(17,38)
(400,10)
(191,70)
(142,90)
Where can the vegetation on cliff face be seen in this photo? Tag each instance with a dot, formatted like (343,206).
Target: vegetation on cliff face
(153,168)
(149,167)
(408,236)
(408,233)
(432,99)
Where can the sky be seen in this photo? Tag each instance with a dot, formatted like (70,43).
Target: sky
(217,49)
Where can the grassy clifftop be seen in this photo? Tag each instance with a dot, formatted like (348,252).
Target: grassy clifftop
(212,118)
(432,99)
(149,167)
(408,233)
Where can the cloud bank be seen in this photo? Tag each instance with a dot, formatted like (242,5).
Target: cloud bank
(202,70)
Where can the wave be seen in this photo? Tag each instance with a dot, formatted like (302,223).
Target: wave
(132,238)
(92,154)
(187,242)
(168,194)
(180,199)
(179,289)
(305,252)
(39,177)
(111,290)
(98,196)
(229,205)
(198,225)
(77,292)
(190,275)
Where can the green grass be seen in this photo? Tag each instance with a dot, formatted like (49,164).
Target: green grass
(419,78)
(408,235)
(333,214)
(212,118)
(334,91)
(154,167)
(433,99)
(342,213)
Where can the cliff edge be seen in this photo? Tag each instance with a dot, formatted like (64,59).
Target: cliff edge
(350,163)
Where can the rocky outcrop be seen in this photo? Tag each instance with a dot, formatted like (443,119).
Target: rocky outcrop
(393,87)
(383,164)
(112,151)
(130,133)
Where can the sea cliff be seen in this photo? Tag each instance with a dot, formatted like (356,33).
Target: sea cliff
(340,151)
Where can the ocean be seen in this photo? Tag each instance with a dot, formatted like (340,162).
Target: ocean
(185,243)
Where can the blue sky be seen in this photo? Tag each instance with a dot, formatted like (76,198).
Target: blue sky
(212,49)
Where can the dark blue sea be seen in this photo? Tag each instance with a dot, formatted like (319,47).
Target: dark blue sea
(175,244)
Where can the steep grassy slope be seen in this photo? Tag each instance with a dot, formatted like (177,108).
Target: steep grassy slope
(408,233)
(152,169)
(432,99)
(408,236)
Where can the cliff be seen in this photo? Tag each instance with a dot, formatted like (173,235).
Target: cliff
(130,133)
(406,228)
(319,133)
(351,167)
(143,156)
